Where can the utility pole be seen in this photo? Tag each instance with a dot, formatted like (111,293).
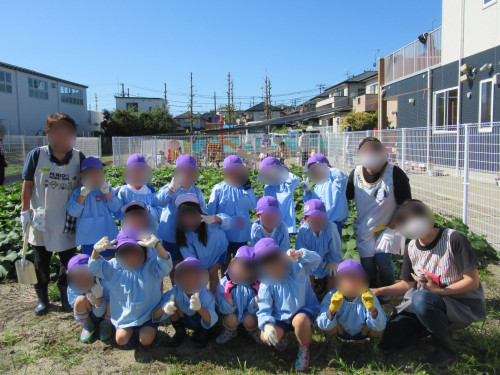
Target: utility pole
(96,106)
(128,92)
(123,90)
(191,97)
(321,87)
(267,103)
(230,98)
(165,94)
(215,103)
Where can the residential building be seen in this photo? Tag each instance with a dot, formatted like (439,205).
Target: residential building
(258,113)
(184,121)
(139,103)
(448,76)
(27,97)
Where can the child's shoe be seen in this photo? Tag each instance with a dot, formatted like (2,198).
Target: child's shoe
(180,334)
(302,361)
(226,335)
(281,345)
(87,331)
(105,331)
(255,335)
(128,346)
(201,337)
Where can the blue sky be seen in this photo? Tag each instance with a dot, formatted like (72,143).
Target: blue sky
(145,43)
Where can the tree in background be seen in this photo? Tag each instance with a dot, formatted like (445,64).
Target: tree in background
(360,121)
(127,123)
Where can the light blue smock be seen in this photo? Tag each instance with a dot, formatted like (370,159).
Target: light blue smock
(281,301)
(243,300)
(133,294)
(94,218)
(127,195)
(327,245)
(166,200)
(332,194)
(279,234)
(214,252)
(284,195)
(234,202)
(207,300)
(98,311)
(351,316)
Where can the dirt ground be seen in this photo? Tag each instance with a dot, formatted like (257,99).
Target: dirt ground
(50,345)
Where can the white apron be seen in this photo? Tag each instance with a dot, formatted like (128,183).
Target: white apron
(376,205)
(53,185)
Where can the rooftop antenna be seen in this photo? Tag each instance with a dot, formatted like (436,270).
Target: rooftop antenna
(320,87)
(377,51)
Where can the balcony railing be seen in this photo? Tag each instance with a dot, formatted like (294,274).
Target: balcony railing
(413,58)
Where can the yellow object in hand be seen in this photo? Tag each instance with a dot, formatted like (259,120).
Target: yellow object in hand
(368,300)
(336,301)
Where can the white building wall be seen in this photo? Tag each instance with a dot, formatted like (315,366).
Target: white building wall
(144,104)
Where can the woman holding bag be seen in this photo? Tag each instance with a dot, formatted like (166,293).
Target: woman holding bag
(50,174)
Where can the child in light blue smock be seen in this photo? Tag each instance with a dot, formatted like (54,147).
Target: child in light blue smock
(351,311)
(93,206)
(280,183)
(189,304)
(319,234)
(286,300)
(134,279)
(269,224)
(330,188)
(234,197)
(185,175)
(89,298)
(201,236)
(237,296)
(137,174)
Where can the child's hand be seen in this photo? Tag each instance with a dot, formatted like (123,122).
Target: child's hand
(368,300)
(150,241)
(105,187)
(331,267)
(104,244)
(174,185)
(208,219)
(170,308)
(294,255)
(84,191)
(306,185)
(270,334)
(194,302)
(227,289)
(336,302)
(95,293)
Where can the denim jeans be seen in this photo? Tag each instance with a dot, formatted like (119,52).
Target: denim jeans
(429,316)
(382,262)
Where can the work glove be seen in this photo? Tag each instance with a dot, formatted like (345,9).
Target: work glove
(294,255)
(104,188)
(174,185)
(336,301)
(170,308)
(208,219)
(270,334)
(25,219)
(84,191)
(306,185)
(228,288)
(385,241)
(331,268)
(194,302)
(150,241)
(96,292)
(368,300)
(104,244)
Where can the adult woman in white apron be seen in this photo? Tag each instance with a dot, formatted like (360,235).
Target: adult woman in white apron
(439,281)
(49,176)
(378,188)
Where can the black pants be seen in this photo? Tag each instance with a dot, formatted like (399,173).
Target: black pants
(2,175)
(304,158)
(42,265)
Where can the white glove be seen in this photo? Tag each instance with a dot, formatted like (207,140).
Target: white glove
(104,188)
(170,308)
(25,219)
(96,292)
(174,185)
(385,241)
(150,241)
(84,191)
(306,185)
(294,255)
(270,334)
(194,302)
(208,219)
(331,267)
(104,244)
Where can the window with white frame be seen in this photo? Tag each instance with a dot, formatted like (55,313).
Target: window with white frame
(487,3)
(38,88)
(71,95)
(5,82)
(486,102)
(134,107)
(445,116)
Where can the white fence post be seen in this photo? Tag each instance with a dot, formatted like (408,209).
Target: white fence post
(345,149)
(156,152)
(403,151)
(113,146)
(119,151)
(465,207)
(23,147)
(191,145)
(254,152)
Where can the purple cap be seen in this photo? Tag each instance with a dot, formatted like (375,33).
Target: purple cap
(266,246)
(126,237)
(270,160)
(352,267)
(189,261)
(186,197)
(91,162)
(77,261)
(137,204)
(268,204)
(232,161)
(245,252)
(136,160)
(185,161)
(314,206)
(317,159)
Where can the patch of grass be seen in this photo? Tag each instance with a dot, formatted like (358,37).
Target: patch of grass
(61,351)
(15,362)
(9,340)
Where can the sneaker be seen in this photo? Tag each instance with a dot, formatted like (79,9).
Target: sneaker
(180,335)
(255,335)
(302,361)
(226,335)
(87,331)
(105,331)
(281,345)
(128,346)
(201,337)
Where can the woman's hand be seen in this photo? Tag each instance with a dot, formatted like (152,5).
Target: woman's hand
(428,284)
